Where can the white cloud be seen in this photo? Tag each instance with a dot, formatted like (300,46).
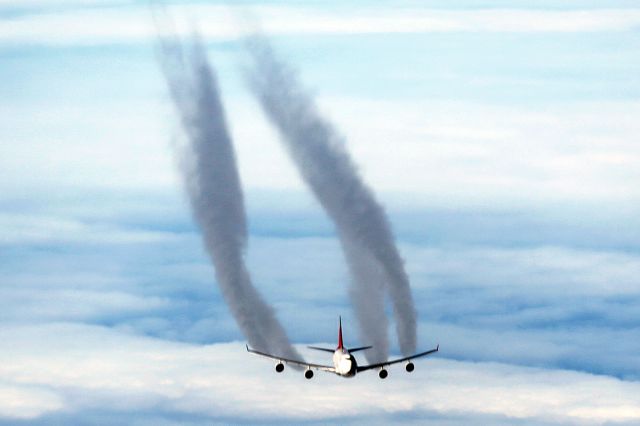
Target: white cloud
(79,368)
(74,304)
(41,229)
(549,270)
(49,3)
(89,26)
(443,152)
(467,150)
(27,402)
(561,300)
(98,145)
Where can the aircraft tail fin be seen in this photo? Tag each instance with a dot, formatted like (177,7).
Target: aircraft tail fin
(340,346)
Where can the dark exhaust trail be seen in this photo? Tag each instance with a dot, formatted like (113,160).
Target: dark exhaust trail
(324,164)
(367,297)
(213,185)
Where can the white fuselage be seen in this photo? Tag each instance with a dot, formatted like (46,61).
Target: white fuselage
(344,363)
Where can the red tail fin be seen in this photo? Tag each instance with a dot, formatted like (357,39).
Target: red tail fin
(340,333)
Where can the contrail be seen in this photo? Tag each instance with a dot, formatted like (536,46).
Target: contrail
(367,297)
(326,167)
(213,185)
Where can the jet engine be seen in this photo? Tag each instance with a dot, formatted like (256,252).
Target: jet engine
(383,374)
(279,367)
(308,374)
(409,367)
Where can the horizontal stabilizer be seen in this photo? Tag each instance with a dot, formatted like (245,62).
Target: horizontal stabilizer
(361,348)
(321,349)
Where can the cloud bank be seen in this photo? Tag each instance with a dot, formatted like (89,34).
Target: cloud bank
(85,368)
(569,312)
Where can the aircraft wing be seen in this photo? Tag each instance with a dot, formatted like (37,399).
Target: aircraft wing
(328,368)
(395,361)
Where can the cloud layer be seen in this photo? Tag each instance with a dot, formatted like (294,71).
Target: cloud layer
(531,303)
(86,368)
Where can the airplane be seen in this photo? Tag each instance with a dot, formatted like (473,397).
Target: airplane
(344,364)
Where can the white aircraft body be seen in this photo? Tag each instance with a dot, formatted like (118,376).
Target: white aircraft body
(344,363)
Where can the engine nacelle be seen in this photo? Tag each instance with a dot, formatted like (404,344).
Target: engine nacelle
(308,374)
(383,374)
(279,367)
(409,367)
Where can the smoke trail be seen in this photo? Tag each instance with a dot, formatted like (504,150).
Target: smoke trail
(213,185)
(367,297)
(326,167)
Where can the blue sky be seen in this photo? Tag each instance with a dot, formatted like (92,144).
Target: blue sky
(501,136)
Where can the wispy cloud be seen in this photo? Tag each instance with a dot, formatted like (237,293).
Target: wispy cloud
(456,151)
(121,24)
(27,402)
(34,229)
(577,151)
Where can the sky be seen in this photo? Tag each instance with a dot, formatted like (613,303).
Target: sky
(500,136)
